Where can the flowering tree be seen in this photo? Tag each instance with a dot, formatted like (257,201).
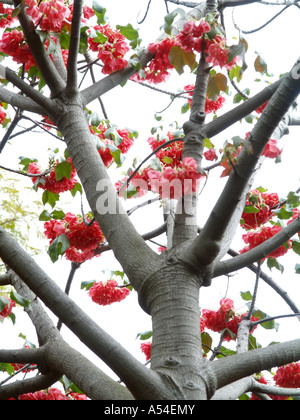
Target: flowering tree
(44,44)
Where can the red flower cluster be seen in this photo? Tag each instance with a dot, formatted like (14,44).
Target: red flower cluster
(50,15)
(224,318)
(210,105)
(218,53)
(210,154)
(14,45)
(263,203)
(124,142)
(261,108)
(2,115)
(5,16)
(172,182)
(288,376)
(189,39)
(107,293)
(83,239)
(7,309)
(255,238)
(110,47)
(230,157)
(271,149)
(170,155)
(146,349)
(51,394)
(49,182)
(158,69)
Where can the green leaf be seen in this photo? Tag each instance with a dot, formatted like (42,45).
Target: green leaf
(57,214)
(284,213)
(273,263)
(63,170)
(128,31)
(83,41)
(25,162)
(99,12)
(87,284)
(296,246)
(118,157)
(50,198)
(260,65)
(249,119)
(169,19)
(77,188)
(293,199)
(216,84)
(297,268)
(185,108)
(251,209)
(207,340)
(225,352)
(207,143)
(180,58)
(113,133)
(246,295)
(145,335)
(7,367)
(45,216)
(64,39)
(58,247)
(20,300)
(3,302)
(238,50)
(268,325)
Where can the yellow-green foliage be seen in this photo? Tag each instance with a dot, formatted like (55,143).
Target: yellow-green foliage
(18,218)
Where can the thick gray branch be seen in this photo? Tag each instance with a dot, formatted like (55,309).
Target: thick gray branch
(233,368)
(259,252)
(137,377)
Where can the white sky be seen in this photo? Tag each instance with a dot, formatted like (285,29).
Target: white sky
(134,106)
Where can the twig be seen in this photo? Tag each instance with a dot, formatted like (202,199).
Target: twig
(258,272)
(74,267)
(73,50)
(27,174)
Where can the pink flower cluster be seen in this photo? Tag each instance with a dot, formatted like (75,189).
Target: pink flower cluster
(83,239)
(288,376)
(7,309)
(271,149)
(105,150)
(2,115)
(210,105)
(49,182)
(172,182)
(264,203)
(107,293)
(14,45)
(224,318)
(253,238)
(110,46)
(170,155)
(6,18)
(146,349)
(51,15)
(51,394)
(191,38)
